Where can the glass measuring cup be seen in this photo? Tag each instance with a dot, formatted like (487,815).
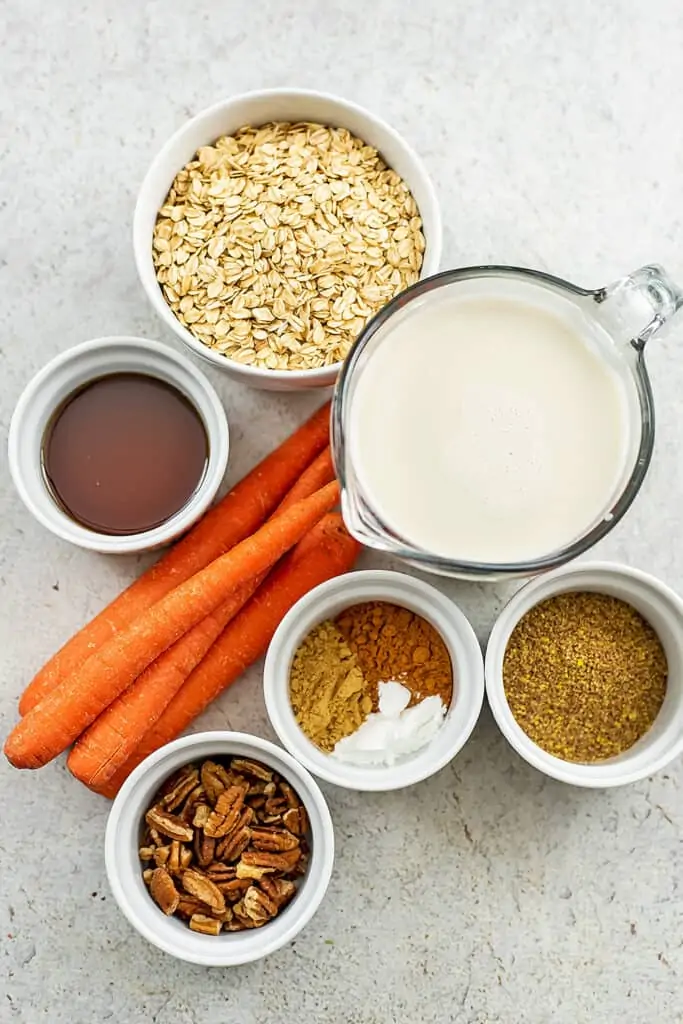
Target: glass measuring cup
(618,321)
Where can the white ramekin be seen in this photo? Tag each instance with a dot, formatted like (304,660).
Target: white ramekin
(71,370)
(662,608)
(257,108)
(122,842)
(327,601)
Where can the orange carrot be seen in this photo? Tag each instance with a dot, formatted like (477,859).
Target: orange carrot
(111,739)
(319,473)
(55,723)
(107,743)
(235,517)
(327,551)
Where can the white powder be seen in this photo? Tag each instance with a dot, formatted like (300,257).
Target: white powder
(394,731)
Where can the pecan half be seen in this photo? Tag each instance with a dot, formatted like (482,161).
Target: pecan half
(181,785)
(204,848)
(258,905)
(202,813)
(175,779)
(161,855)
(219,872)
(300,868)
(186,813)
(274,840)
(189,905)
(226,813)
(169,824)
(203,888)
(225,916)
(290,794)
(173,862)
(164,892)
(252,768)
(269,819)
(234,845)
(284,861)
(280,890)
(214,780)
(252,870)
(234,889)
(295,820)
(240,922)
(276,805)
(153,837)
(205,925)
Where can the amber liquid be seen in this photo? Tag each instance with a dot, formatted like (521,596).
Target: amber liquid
(124,453)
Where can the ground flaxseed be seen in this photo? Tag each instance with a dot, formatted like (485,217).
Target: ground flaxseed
(584,675)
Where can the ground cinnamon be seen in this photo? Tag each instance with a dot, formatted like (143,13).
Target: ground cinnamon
(393,643)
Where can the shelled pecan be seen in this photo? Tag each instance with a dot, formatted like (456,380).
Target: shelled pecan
(223,844)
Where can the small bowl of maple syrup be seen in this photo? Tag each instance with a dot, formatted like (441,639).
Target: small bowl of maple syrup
(118,445)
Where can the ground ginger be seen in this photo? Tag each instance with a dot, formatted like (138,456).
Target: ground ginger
(326,687)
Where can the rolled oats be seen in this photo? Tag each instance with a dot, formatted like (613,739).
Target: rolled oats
(275,245)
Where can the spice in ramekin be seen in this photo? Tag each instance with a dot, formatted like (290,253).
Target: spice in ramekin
(275,245)
(584,675)
(372,684)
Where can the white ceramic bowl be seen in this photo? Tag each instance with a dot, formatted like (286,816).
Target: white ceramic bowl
(662,608)
(71,370)
(256,108)
(122,841)
(328,600)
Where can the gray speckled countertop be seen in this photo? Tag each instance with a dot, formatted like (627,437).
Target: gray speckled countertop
(489,893)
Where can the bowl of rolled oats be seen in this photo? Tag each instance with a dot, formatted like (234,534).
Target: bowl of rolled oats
(219,848)
(274,225)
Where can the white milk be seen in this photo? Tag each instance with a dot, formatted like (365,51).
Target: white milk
(488,429)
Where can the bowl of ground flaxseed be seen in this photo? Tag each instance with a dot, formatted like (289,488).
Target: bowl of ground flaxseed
(272,226)
(584,674)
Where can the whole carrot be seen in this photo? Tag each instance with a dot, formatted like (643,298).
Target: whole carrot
(315,476)
(110,740)
(327,551)
(235,517)
(107,743)
(55,723)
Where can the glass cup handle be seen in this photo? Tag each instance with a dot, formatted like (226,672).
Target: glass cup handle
(637,306)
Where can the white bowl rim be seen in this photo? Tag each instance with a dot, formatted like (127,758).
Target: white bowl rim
(308,791)
(420,766)
(323,374)
(92,540)
(589,776)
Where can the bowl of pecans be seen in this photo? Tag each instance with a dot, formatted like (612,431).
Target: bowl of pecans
(219,848)
(272,226)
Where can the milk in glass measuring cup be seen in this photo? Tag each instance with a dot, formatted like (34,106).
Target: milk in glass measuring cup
(495,421)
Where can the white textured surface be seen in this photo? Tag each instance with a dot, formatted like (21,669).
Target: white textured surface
(487,894)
